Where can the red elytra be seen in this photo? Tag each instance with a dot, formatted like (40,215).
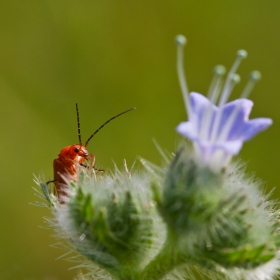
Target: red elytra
(70,159)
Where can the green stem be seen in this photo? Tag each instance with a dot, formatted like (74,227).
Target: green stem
(167,259)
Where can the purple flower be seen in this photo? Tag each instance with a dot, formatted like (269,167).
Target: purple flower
(218,131)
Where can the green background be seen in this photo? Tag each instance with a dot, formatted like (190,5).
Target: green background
(110,55)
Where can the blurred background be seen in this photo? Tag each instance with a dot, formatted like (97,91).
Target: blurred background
(109,56)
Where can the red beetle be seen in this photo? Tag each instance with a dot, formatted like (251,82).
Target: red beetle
(71,158)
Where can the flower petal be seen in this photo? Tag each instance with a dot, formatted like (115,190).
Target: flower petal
(187,130)
(234,115)
(200,106)
(231,147)
(253,127)
(218,133)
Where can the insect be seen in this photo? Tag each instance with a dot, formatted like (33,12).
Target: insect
(70,160)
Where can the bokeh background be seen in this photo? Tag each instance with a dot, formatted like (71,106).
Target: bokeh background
(108,56)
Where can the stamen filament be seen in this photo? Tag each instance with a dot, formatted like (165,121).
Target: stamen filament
(241,54)
(181,42)
(255,76)
(235,79)
(216,83)
(213,94)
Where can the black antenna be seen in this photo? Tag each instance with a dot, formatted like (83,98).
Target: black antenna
(108,122)
(78,121)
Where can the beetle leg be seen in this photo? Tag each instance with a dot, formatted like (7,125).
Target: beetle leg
(98,170)
(93,159)
(91,156)
(92,164)
(95,169)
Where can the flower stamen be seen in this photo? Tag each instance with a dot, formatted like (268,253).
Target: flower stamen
(241,54)
(216,84)
(213,94)
(181,42)
(254,77)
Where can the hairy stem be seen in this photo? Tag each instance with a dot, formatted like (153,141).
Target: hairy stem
(167,259)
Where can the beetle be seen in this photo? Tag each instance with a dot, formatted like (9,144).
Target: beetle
(70,160)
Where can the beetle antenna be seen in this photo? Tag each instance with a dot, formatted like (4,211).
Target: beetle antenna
(78,121)
(108,122)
